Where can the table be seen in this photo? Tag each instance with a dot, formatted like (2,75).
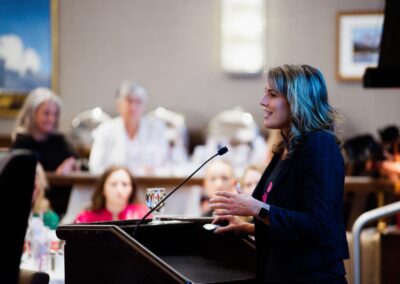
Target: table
(88,179)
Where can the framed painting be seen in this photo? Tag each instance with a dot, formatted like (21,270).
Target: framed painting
(358,41)
(28,50)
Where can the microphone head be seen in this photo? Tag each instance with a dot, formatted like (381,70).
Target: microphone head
(222,150)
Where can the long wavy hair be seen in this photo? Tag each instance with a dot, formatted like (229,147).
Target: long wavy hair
(25,122)
(305,89)
(98,198)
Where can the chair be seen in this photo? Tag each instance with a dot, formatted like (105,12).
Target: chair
(17,175)
(83,125)
(234,126)
(236,129)
(176,131)
(175,123)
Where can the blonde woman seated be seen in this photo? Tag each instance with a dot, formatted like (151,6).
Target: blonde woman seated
(42,221)
(250,177)
(114,198)
(219,176)
(40,204)
(36,130)
(249,180)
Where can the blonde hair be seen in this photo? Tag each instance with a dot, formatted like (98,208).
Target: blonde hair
(305,89)
(252,167)
(40,203)
(25,121)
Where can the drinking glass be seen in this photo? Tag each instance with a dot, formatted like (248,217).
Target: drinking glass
(153,196)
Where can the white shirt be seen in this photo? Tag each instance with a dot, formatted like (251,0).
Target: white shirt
(147,151)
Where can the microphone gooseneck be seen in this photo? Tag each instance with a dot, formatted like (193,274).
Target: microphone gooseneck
(220,152)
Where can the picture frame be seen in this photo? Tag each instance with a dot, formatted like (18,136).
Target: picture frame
(28,50)
(358,43)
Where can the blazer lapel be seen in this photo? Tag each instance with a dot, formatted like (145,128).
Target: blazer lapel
(261,186)
(259,190)
(283,171)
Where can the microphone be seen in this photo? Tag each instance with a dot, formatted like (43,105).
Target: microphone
(220,152)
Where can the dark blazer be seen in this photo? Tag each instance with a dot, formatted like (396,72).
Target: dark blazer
(306,230)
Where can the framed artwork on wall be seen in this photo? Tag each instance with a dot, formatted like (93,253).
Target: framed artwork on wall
(358,41)
(28,50)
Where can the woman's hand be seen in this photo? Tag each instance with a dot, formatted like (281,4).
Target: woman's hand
(236,225)
(241,204)
(67,166)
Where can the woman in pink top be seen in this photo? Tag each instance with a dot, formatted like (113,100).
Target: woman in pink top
(114,198)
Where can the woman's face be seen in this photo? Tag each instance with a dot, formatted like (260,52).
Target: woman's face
(218,177)
(276,109)
(250,180)
(118,188)
(46,117)
(130,108)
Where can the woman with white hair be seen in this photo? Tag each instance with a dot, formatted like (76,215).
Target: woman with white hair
(36,130)
(131,140)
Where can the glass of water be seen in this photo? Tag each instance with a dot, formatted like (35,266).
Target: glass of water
(153,196)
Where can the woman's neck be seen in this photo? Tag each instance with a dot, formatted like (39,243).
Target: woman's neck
(115,209)
(39,136)
(131,128)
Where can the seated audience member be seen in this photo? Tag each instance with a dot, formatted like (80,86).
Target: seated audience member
(114,198)
(131,140)
(40,204)
(41,224)
(250,177)
(249,180)
(36,130)
(219,176)
(390,139)
(364,156)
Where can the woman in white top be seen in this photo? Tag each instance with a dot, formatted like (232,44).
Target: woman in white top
(130,140)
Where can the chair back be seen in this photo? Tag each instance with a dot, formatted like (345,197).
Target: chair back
(17,175)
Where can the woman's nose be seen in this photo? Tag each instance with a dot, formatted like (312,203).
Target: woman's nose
(264,100)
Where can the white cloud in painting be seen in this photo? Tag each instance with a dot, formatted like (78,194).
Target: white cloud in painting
(18,58)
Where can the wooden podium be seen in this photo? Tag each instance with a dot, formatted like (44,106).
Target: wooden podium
(175,251)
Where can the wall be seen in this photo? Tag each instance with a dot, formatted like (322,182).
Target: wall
(172,47)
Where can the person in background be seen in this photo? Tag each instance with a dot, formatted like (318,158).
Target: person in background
(250,177)
(114,198)
(36,130)
(248,182)
(129,139)
(390,139)
(297,205)
(42,223)
(40,204)
(219,176)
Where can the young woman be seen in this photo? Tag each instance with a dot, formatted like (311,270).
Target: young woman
(250,177)
(40,204)
(297,205)
(114,198)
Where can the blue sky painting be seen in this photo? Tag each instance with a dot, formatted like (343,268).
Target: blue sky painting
(25,44)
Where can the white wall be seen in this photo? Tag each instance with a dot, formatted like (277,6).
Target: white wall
(172,47)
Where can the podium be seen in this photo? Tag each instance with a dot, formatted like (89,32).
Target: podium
(178,250)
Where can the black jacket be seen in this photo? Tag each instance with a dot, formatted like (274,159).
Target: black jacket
(306,231)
